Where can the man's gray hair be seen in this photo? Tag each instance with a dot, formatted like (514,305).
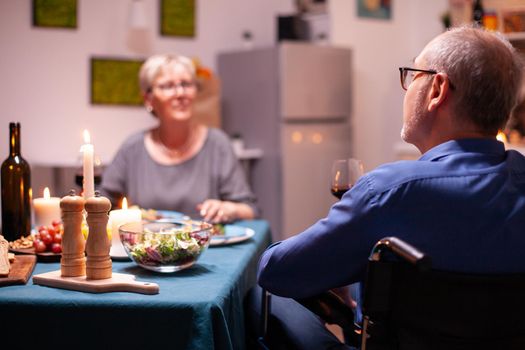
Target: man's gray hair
(485,72)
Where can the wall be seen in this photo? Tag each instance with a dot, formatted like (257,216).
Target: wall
(379,48)
(45,72)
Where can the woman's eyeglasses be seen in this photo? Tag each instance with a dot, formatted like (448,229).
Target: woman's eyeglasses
(172,87)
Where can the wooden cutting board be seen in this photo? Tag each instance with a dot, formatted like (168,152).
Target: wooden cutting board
(119,282)
(21,270)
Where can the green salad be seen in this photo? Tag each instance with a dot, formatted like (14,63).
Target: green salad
(169,246)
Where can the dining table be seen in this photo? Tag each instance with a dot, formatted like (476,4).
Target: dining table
(200,307)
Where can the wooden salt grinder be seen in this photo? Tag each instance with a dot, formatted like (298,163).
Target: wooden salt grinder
(73,261)
(97,246)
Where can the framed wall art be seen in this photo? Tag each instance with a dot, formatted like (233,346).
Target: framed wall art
(380,9)
(55,13)
(115,81)
(177,18)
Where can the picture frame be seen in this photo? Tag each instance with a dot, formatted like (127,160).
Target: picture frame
(378,9)
(177,18)
(114,81)
(55,13)
(312,6)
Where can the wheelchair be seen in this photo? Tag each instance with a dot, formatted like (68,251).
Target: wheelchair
(409,306)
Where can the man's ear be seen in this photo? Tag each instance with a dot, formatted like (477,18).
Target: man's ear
(438,91)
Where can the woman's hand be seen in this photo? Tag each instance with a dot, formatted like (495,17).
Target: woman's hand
(216,211)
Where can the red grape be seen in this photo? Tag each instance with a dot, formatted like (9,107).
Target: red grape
(56,248)
(57,238)
(46,238)
(56,223)
(39,246)
(51,230)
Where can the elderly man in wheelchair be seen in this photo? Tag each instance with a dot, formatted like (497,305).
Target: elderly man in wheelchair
(453,275)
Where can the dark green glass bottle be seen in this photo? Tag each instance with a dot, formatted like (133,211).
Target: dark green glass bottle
(16,190)
(478,13)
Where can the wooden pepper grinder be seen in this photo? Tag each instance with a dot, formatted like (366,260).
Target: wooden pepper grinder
(73,261)
(97,246)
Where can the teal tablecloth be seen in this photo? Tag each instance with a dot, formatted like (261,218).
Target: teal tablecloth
(197,308)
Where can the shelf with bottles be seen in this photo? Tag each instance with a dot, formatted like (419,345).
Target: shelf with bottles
(506,16)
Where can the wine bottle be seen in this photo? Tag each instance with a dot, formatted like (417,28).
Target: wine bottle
(477,13)
(16,190)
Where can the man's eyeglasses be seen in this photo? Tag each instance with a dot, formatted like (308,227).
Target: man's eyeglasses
(172,87)
(408,75)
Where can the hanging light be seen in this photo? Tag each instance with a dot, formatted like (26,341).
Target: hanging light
(137,15)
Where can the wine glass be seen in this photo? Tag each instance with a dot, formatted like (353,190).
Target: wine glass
(345,173)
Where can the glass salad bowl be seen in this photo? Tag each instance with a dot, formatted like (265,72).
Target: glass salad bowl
(165,246)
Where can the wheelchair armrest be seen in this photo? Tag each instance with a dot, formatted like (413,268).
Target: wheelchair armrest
(403,250)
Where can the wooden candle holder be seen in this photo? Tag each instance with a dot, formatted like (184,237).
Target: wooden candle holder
(73,260)
(97,246)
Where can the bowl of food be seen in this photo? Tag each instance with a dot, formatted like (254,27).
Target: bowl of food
(165,246)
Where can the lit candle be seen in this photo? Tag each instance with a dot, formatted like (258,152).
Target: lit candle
(117,218)
(88,151)
(46,209)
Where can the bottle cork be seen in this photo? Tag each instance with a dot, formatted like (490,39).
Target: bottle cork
(98,264)
(73,260)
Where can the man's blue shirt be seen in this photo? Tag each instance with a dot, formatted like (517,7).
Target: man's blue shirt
(462,202)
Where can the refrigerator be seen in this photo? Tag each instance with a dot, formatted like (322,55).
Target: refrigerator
(292,101)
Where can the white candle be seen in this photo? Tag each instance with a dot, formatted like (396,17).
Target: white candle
(117,218)
(46,209)
(88,151)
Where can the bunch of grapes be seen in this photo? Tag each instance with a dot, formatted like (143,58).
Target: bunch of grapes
(49,238)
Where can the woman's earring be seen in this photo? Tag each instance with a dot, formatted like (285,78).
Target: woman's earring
(149,109)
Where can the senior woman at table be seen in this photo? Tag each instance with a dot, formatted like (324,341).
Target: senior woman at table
(180,164)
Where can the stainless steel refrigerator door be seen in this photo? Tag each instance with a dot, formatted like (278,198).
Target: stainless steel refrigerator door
(315,82)
(308,152)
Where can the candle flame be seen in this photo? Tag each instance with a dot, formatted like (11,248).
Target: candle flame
(47,195)
(124,203)
(501,137)
(87,138)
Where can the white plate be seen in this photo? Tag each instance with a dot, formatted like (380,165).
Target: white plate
(232,234)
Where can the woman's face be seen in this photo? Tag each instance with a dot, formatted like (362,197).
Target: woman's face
(172,94)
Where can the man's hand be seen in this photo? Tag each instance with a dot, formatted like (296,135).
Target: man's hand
(344,293)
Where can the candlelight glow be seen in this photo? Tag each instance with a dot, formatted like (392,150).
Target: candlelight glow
(297,137)
(501,137)
(124,203)
(337,176)
(317,138)
(47,195)
(87,138)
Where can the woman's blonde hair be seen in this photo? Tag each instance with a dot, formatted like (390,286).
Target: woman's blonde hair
(154,65)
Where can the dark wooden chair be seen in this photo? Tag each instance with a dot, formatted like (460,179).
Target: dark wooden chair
(407,305)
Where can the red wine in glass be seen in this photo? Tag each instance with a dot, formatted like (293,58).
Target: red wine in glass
(338,192)
(79,179)
(345,173)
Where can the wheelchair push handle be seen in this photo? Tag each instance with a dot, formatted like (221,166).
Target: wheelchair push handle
(402,249)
